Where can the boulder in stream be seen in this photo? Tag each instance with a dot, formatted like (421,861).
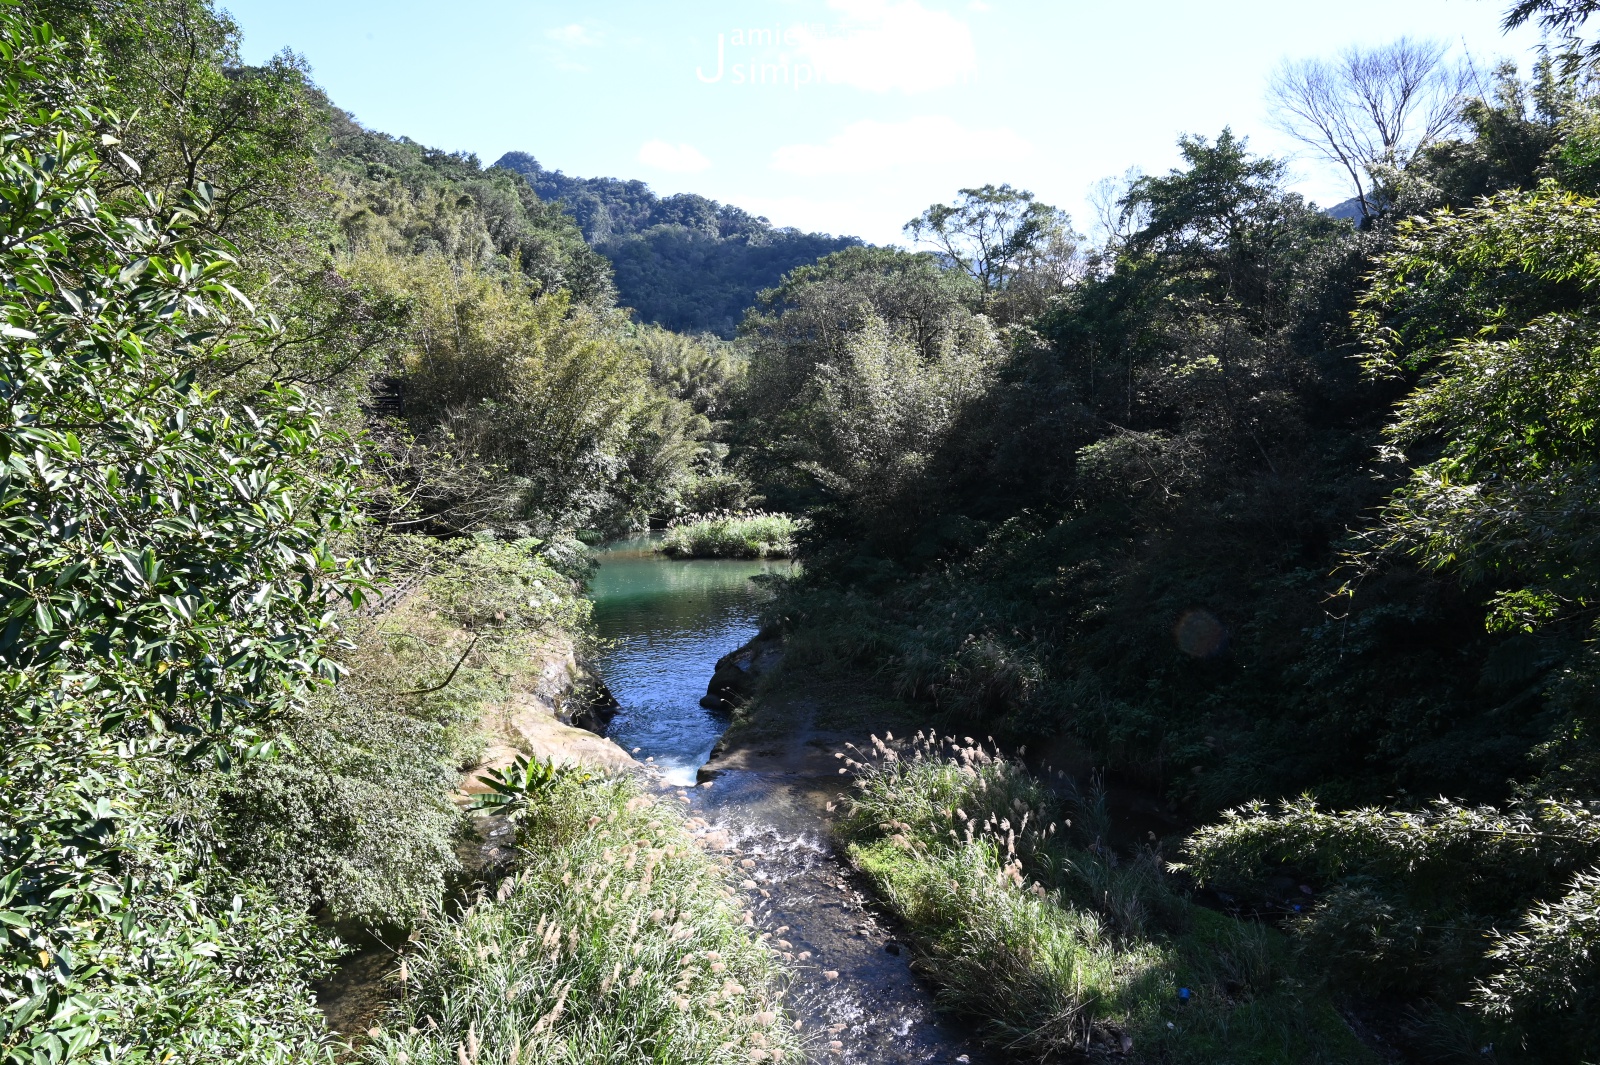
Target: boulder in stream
(738,672)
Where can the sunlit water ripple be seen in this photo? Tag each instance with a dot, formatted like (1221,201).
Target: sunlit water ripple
(667,623)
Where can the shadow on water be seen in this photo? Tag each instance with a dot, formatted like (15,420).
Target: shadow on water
(666,624)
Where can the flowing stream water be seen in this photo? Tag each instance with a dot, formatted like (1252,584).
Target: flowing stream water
(666,623)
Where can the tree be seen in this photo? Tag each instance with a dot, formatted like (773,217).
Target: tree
(877,417)
(811,316)
(696,370)
(811,320)
(1369,109)
(1494,310)
(249,132)
(994,234)
(166,588)
(541,389)
(1223,230)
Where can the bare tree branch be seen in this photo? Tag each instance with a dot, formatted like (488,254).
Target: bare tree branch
(1368,110)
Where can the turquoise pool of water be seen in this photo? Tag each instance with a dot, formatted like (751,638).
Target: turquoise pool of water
(665,624)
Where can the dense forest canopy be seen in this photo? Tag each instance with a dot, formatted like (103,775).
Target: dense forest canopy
(682,262)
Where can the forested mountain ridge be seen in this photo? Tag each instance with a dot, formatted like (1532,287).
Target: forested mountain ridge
(519,224)
(684,262)
(608,208)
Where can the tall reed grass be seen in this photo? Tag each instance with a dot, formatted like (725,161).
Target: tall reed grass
(733,534)
(1051,942)
(617,940)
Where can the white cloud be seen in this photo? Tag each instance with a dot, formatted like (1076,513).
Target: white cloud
(868,147)
(883,45)
(861,217)
(573,36)
(678,158)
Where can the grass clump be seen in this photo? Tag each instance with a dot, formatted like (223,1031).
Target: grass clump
(617,940)
(1050,941)
(740,534)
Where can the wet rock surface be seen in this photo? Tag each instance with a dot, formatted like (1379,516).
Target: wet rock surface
(353,998)
(739,672)
(854,987)
(548,723)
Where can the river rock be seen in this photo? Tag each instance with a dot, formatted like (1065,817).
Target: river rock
(739,671)
(542,718)
(591,706)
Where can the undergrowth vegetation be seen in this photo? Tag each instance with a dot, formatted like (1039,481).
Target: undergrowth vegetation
(1032,926)
(615,938)
(353,820)
(741,534)
(1437,898)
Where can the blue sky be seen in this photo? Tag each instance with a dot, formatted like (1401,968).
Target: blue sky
(846,116)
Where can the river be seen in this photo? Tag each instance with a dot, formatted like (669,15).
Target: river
(665,623)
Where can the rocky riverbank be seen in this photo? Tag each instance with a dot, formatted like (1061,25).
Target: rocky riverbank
(765,803)
(552,710)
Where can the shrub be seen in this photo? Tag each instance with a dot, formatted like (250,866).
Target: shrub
(167,588)
(354,820)
(742,534)
(1404,898)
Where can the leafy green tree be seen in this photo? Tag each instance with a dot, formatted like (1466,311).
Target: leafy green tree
(1509,388)
(879,416)
(1223,228)
(699,371)
(812,320)
(249,132)
(166,589)
(254,135)
(546,392)
(996,234)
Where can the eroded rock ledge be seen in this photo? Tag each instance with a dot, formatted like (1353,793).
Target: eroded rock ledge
(739,671)
(554,715)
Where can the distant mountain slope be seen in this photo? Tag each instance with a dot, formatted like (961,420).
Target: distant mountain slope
(1350,210)
(686,262)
